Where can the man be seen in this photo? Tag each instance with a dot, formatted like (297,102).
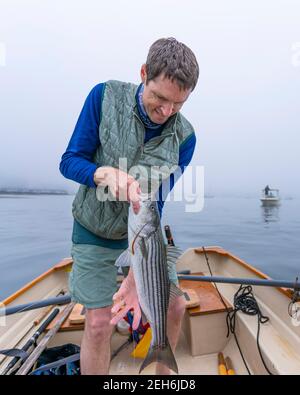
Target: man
(142,124)
(267,190)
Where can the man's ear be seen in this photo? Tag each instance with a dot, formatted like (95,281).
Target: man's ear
(143,74)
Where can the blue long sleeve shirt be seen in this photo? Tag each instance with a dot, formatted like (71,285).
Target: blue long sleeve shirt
(76,163)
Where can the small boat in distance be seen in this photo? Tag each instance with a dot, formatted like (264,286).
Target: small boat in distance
(270,197)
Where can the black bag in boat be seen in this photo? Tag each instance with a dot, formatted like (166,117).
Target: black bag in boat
(58,361)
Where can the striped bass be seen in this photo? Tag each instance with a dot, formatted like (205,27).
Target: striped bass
(148,259)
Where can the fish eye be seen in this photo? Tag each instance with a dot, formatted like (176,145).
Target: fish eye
(152,208)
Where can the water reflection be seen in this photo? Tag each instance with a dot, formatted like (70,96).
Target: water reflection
(270,213)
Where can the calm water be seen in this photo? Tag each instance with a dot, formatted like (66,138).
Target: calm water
(35,234)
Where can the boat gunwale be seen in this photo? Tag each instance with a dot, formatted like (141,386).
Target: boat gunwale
(62,265)
(66,262)
(219,250)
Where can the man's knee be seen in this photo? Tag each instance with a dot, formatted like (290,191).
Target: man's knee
(97,324)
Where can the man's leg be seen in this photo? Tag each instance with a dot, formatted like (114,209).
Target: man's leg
(174,320)
(93,281)
(95,347)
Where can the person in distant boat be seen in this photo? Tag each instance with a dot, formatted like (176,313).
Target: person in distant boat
(267,190)
(143,124)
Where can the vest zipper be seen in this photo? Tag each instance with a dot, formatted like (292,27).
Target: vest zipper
(141,150)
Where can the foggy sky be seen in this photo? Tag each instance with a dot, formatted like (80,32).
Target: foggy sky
(245,108)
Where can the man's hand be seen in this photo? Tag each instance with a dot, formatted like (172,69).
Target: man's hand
(122,185)
(125,299)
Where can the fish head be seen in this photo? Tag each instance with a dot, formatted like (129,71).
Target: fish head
(147,220)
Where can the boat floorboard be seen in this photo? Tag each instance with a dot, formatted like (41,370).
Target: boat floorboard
(124,364)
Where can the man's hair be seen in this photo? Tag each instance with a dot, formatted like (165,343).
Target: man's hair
(173,59)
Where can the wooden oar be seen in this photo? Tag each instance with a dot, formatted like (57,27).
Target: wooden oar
(36,322)
(40,318)
(25,368)
(32,341)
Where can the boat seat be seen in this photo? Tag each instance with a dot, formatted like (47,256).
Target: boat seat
(208,296)
(205,325)
(74,322)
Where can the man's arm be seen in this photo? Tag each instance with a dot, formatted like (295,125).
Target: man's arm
(76,163)
(186,152)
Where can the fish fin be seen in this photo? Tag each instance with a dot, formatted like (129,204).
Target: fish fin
(172,254)
(163,355)
(175,291)
(124,259)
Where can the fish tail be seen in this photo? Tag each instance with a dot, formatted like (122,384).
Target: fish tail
(162,355)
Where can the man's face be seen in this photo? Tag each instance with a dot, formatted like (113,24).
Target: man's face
(162,98)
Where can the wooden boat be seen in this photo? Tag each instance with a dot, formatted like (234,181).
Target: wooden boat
(203,337)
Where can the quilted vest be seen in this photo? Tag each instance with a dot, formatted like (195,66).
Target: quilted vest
(122,133)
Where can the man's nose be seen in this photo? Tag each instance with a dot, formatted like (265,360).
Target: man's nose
(167,109)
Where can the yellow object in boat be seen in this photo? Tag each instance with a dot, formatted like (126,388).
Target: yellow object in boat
(230,370)
(222,365)
(141,350)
